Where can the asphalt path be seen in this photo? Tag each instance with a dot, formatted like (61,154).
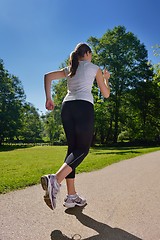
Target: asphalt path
(123,203)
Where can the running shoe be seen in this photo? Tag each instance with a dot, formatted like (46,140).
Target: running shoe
(71,202)
(47,200)
(51,186)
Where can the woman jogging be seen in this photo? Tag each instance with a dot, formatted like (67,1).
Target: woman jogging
(77,118)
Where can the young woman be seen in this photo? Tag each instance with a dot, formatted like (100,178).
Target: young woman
(77,117)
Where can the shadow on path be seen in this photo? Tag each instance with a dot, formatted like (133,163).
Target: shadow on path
(104,231)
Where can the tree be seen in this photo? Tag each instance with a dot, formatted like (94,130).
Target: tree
(143,116)
(126,58)
(12,98)
(53,131)
(31,130)
(156,50)
(19,120)
(156,67)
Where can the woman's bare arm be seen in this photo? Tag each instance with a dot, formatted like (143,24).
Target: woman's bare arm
(102,81)
(48,78)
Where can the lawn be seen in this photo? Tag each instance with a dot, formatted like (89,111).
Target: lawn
(23,166)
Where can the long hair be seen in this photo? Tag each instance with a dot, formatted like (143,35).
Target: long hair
(79,52)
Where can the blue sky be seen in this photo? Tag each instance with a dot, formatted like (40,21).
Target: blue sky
(36,36)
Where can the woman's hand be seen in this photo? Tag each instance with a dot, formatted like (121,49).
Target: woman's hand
(106,75)
(50,104)
(102,81)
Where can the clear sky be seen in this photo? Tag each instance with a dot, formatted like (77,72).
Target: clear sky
(36,36)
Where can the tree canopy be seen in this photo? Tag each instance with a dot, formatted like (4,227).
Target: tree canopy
(15,113)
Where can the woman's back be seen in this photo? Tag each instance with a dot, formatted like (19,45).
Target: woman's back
(80,85)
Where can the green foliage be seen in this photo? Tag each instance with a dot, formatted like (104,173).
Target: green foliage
(12,98)
(156,77)
(126,58)
(156,67)
(31,130)
(142,115)
(53,129)
(19,120)
(156,50)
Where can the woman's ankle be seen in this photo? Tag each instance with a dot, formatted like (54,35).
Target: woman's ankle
(72,193)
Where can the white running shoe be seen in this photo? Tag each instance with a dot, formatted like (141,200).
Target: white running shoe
(51,186)
(71,202)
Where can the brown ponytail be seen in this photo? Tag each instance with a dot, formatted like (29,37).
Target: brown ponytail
(79,52)
(73,63)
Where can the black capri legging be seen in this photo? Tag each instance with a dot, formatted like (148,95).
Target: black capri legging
(78,121)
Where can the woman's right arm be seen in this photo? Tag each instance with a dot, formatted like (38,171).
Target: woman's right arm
(48,78)
(102,81)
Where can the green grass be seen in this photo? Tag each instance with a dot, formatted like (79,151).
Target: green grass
(23,166)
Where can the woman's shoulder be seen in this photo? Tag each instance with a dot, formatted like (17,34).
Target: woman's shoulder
(92,66)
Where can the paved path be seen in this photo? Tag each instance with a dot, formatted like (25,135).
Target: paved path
(123,204)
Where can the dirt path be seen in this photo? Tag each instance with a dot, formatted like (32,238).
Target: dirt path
(123,204)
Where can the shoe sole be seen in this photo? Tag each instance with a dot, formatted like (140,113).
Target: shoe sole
(72,205)
(44,184)
(48,201)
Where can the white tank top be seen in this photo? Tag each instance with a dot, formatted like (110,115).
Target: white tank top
(80,85)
